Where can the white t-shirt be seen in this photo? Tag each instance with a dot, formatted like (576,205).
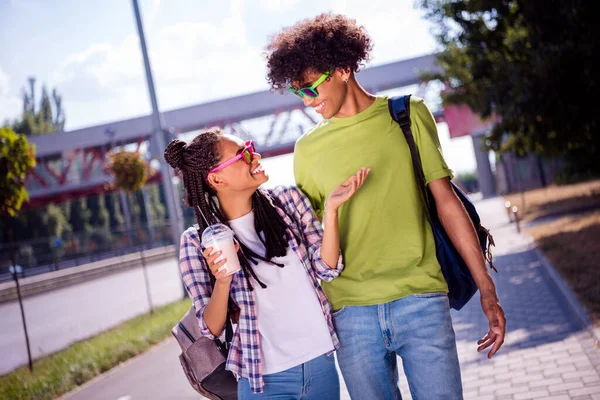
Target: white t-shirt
(291,323)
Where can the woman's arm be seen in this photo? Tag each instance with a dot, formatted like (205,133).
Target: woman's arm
(330,249)
(312,235)
(215,314)
(324,247)
(331,237)
(210,303)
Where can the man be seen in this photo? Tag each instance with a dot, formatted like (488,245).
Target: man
(391,298)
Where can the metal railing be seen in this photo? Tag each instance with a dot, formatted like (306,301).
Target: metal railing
(41,255)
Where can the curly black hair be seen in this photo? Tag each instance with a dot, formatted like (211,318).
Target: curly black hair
(323,43)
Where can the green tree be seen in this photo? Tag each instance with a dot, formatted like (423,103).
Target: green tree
(49,221)
(47,118)
(530,64)
(113,204)
(80,216)
(16,160)
(157,208)
(55,221)
(99,217)
(130,173)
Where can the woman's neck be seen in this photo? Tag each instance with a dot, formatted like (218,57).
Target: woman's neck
(234,206)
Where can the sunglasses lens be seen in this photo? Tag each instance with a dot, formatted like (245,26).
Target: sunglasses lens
(312,93)
(247,156)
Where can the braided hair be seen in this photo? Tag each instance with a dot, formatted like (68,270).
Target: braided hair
(194,160)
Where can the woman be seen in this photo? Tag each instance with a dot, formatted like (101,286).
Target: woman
(284,343)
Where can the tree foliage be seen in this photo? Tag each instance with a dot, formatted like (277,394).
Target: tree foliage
(48,117)
(113,206)
(157,208)
(100,217)
(16,160)
(80,216)
(529,63)
(55,222)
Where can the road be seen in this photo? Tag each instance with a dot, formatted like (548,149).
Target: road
(58,318)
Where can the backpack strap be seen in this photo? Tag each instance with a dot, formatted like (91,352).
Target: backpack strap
(399,107)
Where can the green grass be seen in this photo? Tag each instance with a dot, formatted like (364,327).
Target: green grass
(63,371)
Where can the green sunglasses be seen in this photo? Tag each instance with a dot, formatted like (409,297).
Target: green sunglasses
(310,91)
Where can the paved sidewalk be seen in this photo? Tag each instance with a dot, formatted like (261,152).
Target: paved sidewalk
(548,354)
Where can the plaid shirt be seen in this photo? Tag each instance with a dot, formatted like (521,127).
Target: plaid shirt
(244,356)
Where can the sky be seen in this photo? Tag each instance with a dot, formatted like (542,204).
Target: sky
(199,51)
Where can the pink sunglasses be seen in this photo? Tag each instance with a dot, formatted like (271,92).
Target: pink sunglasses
(246,155)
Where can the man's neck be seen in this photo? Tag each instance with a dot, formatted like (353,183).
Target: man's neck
(235,206)
(357,99)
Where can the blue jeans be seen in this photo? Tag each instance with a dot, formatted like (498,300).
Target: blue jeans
(417,328)
(316,379)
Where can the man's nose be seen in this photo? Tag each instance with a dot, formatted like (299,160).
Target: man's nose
(307,101)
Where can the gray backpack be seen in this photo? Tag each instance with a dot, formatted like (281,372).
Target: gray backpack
(203,360)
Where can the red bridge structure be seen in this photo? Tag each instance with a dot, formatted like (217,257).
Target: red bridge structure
(70,164)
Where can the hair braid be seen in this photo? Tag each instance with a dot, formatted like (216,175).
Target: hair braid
(195,160)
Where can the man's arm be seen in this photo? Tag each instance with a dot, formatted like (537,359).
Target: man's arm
(461,232)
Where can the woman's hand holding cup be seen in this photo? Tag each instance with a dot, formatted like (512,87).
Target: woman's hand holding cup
(214,263)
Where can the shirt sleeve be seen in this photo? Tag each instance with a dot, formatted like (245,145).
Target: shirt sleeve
(312,231)
(304,181)
(196,278)
(425,131)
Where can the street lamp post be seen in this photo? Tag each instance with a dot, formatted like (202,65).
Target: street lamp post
(158,137)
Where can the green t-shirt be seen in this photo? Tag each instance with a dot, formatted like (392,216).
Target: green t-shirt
(385,238)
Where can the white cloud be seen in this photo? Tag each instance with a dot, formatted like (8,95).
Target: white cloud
(25,5)
(396,27)
(3,83)
(150,15)
(199,61)
(107,65)
(192,62)
(10,105)
(276,5)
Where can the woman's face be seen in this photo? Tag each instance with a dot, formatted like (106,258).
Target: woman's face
(239,176)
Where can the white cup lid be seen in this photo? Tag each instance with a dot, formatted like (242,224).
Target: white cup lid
(216,231)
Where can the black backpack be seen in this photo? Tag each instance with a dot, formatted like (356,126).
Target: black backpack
(461,285)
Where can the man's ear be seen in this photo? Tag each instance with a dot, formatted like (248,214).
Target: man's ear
(344,73)
(216,181)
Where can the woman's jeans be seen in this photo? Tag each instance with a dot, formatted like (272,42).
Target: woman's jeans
(316,379)
(417,328)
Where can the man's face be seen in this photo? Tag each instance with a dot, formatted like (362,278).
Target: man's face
(332,92)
